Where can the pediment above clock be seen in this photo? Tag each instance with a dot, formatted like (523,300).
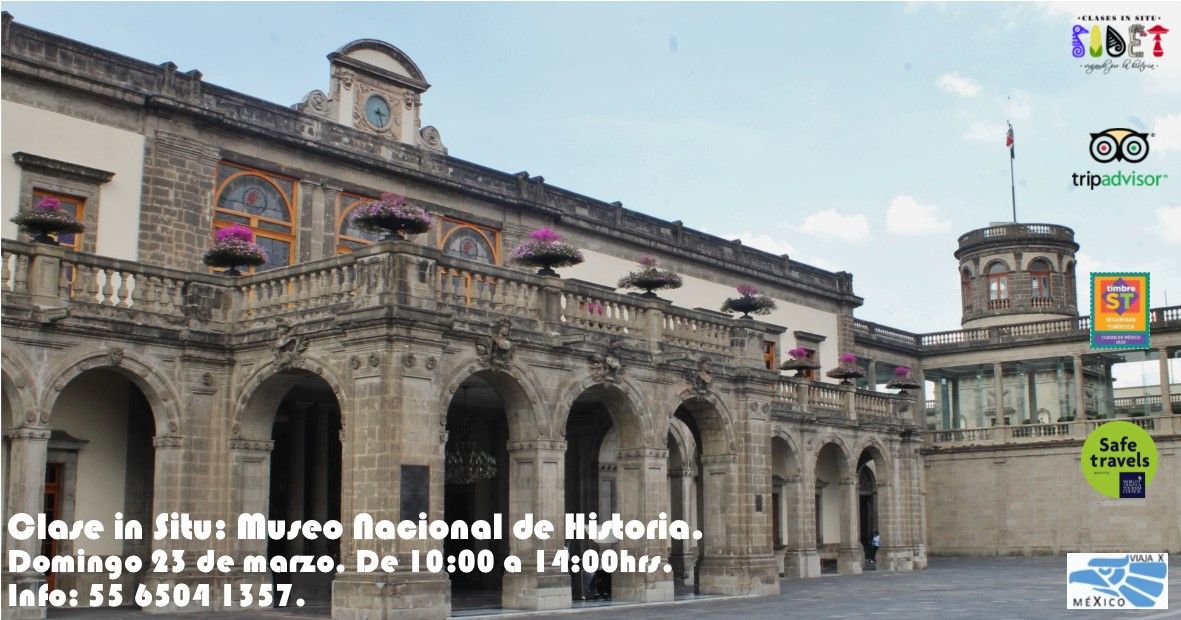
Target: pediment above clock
(382,62)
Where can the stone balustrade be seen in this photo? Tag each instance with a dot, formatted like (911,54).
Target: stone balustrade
(1162,426)
(397,273)
(841,400)
(1031,332)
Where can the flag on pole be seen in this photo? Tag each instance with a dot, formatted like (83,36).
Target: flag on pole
(1009,142)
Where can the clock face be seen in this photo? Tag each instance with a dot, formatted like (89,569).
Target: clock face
(377,112)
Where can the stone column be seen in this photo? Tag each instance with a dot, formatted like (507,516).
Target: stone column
(998,386)
(643,491)
(682,493)
(801,558)
(250,493)
(168,470)
(716,572)
(1108,391)
(1080,394)
(25,494)
(851,556)
(1165,396)
(536,482)
(892,539)
(871,375)
(1031,400)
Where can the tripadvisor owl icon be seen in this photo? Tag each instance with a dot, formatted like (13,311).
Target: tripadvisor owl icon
(1119,460)
(1118,145)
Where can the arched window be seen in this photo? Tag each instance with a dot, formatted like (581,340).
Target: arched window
(1039,278)
(262,202)
(469,241)
(349,237)
(966,287)
(998,285)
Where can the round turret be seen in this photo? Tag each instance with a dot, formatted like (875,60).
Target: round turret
(1016,273)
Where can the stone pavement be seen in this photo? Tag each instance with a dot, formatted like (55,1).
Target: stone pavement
(960,588)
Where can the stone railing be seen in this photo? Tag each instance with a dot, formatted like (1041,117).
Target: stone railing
(1162,426)
(936,342)
(54,277)
(397,274)
(843,400)
(1015,232)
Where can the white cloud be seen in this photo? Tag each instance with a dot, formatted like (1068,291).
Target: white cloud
(986,132)
(1168,134)
(958,85)
(906,216)
(767,243)
(832,223)
(1168,223)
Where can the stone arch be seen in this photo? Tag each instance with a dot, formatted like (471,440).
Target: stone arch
(878,453)
(839,443)
(1045,258)
(381,47)
(686,445)
(714,420)
(514,385)
(996,261)
(17,385)
(159,391)
(258,398)
(625,404)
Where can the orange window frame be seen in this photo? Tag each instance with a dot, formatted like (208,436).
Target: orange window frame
(254,220)
(490,235)
(343,209)
(79,205)
(1040,283)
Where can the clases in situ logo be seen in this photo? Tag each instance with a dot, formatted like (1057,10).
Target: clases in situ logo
(1118,144)
(1117,581)
(1123,42)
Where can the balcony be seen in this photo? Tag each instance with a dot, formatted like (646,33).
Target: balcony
(1157,426)
(1168,317)
(400,281)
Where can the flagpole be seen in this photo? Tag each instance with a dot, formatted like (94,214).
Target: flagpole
(1012,156)
(1013,187)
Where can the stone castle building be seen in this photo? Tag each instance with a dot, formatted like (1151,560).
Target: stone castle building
(352,375)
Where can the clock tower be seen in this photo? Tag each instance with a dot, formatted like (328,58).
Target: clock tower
(376,88)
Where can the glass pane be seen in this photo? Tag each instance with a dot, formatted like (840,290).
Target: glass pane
(348,230)
(274,227)
(468,244)
(236,219)
(278,253)
(253,195)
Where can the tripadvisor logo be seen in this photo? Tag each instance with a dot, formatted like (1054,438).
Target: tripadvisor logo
(1118,144)
(1119,460)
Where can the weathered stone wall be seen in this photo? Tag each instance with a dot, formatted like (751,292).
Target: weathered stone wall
(1033,499)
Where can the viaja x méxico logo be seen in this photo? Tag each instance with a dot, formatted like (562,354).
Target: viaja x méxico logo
(1117,581)
(1117,50)
(1119,144)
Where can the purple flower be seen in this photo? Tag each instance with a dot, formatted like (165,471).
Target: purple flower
(392,198)
(648,261)
(545,235)
(901,371)
(847,358)
(747,290)
(49,203)
(798,353)
(240,233)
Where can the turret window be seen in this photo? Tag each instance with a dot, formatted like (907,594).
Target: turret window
(998,285)
(1039,278)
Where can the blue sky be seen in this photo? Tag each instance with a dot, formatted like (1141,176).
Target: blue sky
(862,137)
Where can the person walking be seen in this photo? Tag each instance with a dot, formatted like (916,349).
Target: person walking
(874,543)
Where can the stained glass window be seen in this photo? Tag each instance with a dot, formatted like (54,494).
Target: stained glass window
(261,201)
(469,241)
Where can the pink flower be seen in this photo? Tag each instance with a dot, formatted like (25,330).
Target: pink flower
(545,235)
(49,203)
(798,353)
(393,198)
(901,371)
(239,233)
(747,290)
(648,261)
(847,358)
